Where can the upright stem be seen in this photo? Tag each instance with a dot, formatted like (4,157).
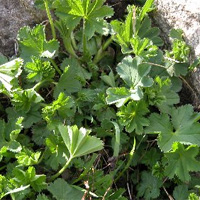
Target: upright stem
(62,170)
(84,39)
(55,66)
(50,19)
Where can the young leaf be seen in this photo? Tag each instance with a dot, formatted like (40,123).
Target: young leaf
(182,127)
(26,157)
(180,161)
(132,116)
(149,187)
(23,100)
(9,71)
(145,9)
(162,95)
(39,70)
(78,141)
(32,42)
(61,190)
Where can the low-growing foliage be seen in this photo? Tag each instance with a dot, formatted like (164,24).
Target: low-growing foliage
(94,112)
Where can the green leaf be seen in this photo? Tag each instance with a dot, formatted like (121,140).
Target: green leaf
(56,152)
(24,100)
(61,190)
(42,197)
(176,34)
(124,32)
(9,71)
(149,186)
(118,96)
(40,133)
(78,141)
(26,157)
(37,182)
(68,82)
(3,59)
(32,42)
(180,161)
(145,9)
(62,107)
(93,12)
(109,79)
(182,127)
(143,47)
(132,116)
(82,74)
(162,95)
(117,140)
(135,75)
(181,192)
(39,70)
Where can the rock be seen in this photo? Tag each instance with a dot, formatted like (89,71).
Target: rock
(14,15)
(183,14)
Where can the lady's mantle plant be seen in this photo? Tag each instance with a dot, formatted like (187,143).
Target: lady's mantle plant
(99,85)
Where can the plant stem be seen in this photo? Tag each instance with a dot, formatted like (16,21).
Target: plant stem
(40,84)
(131,154)
(84,39)
(99,54)
(55,66)
(50,19)
(68,46)
(62,170)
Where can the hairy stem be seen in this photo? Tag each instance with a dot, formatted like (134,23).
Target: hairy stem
(50,18)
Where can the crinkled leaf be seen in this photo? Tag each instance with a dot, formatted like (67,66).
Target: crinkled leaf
(162,95)
(133,117)
(27,157)
(182,127)
(62,107)
(39,70)
(181,160)
(32,42)
(61,190)
(24,100)
(78,141)
(149,186)
(9,71)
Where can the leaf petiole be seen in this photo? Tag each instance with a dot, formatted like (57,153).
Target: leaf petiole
(62,170)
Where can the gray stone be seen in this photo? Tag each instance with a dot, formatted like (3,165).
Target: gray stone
(15,14)
(183,14)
